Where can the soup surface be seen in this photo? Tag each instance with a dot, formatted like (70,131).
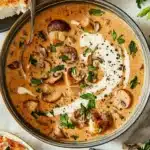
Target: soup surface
(82,75)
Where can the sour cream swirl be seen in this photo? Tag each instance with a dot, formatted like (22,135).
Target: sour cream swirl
(111,67)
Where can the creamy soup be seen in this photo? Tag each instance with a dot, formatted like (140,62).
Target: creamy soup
(82,75)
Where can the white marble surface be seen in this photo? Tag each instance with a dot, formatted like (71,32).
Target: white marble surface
(140,131)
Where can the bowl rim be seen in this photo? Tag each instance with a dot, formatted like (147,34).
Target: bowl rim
(138,111)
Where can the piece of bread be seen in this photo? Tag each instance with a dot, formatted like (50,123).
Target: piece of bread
(9,8)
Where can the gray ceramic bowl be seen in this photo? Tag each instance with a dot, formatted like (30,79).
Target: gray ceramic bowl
(145,92)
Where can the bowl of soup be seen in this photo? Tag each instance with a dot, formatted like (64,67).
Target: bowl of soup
(83,80)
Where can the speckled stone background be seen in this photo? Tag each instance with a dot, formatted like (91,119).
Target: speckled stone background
(139,132)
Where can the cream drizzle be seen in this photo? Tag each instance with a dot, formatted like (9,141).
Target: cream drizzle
(112,74)
(22,90)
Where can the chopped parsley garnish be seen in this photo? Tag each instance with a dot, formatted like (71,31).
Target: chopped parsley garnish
(52,48)
(134,82)
(64,57)
(91,68)
(114,35)
(91,104)
(35,81)
(88,50)
(58,68)
(36,114)
(92,100)
(91,76)
(120,39)
(65,122)
(32,60)
(96,12)
(74,70)
(144,12)
(140,2)
(132,48)
(75,137)
(83,85)
(88,96)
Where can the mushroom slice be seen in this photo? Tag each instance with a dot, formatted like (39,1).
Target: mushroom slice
(71,52)
(91,77)
(52,97)
(58,132)
(50,94)
(57,36)
(99,122)
(58,25)
(79,118)
(31,105)
(53,36)
(41,70)
(96,63)
(96,25)
(47,67)
(14,65)
(78,76)
(123,99)
(42,51)
(54,77)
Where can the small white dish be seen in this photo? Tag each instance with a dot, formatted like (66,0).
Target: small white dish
(15,138)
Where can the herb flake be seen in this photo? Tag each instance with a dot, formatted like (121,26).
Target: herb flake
(58,68)
(74,70)
(88,96)
(64,57)
(83,85)
(65,122)
(134,82)
(88,50)
(120,39)
(91,68)
(52,48)
(35,81)
(92,100)
(32,60)
(96,12)
(91,76)
(114,35)
(132,48)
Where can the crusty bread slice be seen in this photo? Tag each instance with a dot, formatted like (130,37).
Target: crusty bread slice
(9,8)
